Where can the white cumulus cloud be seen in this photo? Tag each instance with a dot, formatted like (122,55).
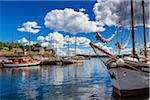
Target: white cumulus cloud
(45,44)
(110,12)
(82,10)
(31,27)
(55,37)
(40,38)
(23,40)
(69,20)
(60,43)
(81,41)
(108,48)
(52,40)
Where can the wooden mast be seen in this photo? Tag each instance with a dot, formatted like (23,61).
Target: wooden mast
(75,45)
(132,23)
(144,28)
(29,43)
(68,46)
(12,45)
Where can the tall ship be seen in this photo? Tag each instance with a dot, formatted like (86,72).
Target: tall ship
(72,59)
(129,73)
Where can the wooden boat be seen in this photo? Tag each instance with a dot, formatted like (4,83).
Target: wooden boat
(20,62)
(129,74)
(72,60)
(21,65)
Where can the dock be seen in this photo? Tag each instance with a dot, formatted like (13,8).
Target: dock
(51,62)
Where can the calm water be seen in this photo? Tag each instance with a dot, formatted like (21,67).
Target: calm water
(87,81)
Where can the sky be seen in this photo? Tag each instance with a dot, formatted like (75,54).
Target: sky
(55,24)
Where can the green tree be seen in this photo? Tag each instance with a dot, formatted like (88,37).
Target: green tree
(1,45)
(36,45)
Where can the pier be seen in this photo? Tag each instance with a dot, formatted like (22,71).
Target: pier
(51,62)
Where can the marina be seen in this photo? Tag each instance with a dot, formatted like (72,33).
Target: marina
(73,50)
(77,81)
(54,82)
(124,70)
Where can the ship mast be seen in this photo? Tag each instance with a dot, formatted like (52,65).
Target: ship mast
(75,45)
(145,54)
(132,23)
(29,43)
(68,47)
(12,45)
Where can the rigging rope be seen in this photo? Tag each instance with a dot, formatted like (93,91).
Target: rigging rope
(119,46)
(97,55)
(99,37)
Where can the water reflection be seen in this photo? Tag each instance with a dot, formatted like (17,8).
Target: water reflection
(88,81)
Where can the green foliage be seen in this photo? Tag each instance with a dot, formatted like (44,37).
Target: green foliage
(16,45)
(6,48)
(1,45)
(36,45)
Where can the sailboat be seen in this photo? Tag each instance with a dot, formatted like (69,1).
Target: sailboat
(20,61)
(129,74)
(72,59)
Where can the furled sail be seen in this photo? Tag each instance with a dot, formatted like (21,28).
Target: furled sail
(119,46)
(99,37)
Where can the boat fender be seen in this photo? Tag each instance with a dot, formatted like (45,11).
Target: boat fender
(113,64)
(120,62)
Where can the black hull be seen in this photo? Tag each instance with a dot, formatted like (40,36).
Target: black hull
(137,93)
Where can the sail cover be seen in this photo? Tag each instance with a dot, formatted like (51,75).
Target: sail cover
(119,46)
(99,37)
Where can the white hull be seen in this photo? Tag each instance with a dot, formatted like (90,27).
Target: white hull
(124,79)
(21,65)
(127,79)
(73,61)
(67,61)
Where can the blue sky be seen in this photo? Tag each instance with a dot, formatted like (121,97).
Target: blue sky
(14,13)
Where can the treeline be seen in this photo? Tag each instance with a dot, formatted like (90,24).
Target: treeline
(10,45)
(6,47)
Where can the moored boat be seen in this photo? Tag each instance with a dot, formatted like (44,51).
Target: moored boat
(72,60)
(20,62)
(129,74)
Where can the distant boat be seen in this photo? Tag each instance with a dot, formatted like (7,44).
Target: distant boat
(20,62)
(72,60)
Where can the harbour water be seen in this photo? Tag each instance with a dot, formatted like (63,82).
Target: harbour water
(87,81)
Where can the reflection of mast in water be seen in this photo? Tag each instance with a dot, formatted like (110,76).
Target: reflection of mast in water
(11,81)
(58,75)
(76,72)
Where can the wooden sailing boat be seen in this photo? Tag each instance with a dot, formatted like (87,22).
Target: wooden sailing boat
(72,59)
(20,61)
(129,74)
